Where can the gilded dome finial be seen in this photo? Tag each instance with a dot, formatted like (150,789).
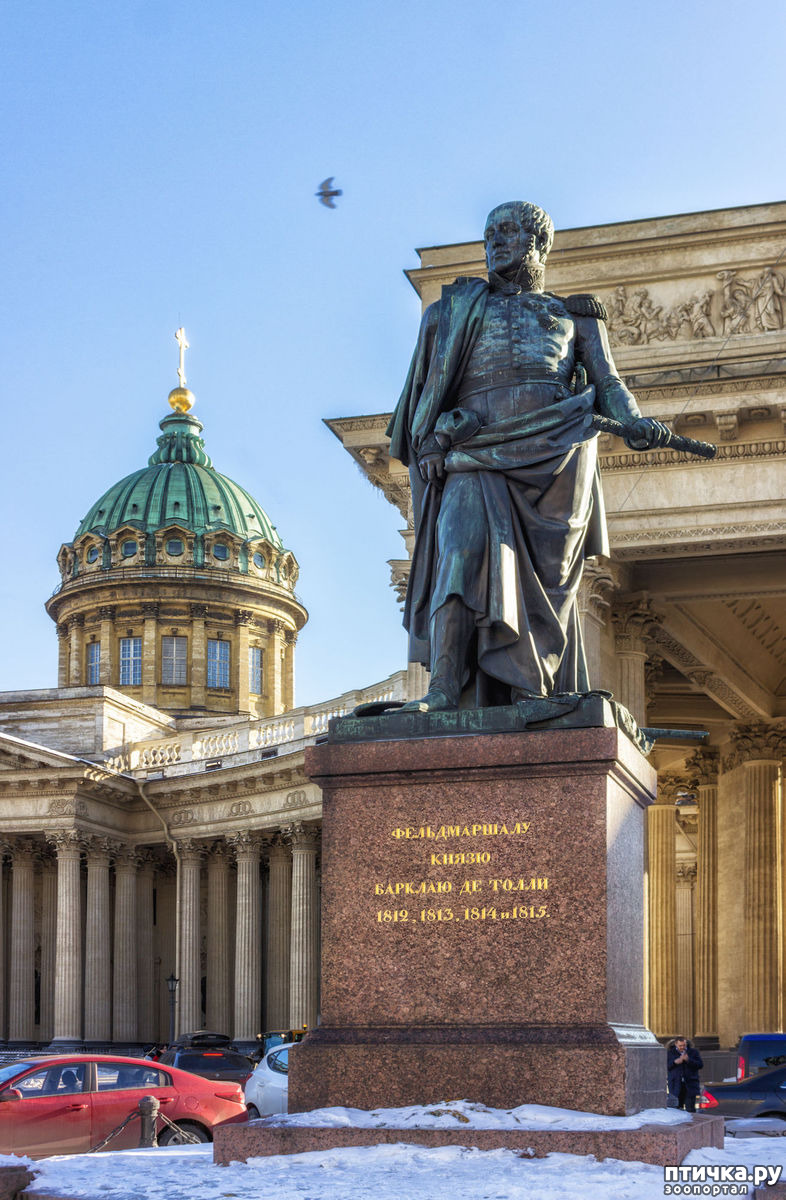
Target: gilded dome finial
(180,398)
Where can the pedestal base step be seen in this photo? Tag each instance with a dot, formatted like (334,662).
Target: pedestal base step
(663,1145)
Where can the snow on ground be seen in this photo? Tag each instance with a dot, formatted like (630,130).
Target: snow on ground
(392,1171)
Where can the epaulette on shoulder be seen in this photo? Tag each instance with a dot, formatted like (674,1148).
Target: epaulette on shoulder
(584,304)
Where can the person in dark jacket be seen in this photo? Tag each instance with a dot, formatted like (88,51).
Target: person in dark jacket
(684,1063)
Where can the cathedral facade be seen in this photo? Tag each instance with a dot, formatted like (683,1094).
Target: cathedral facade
(156,822)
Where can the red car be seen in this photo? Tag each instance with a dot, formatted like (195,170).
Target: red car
(68,1103)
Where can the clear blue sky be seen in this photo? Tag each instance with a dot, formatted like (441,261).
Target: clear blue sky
(159,164)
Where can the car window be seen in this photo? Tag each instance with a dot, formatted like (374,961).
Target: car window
(279,1061)
(114,1077)
(61,1080)
(207,1060)
(12,1069)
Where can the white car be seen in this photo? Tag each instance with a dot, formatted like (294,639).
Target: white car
(266,1090)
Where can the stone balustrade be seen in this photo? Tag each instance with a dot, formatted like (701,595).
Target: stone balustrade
(242,742)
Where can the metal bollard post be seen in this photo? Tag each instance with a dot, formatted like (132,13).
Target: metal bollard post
(148,1111)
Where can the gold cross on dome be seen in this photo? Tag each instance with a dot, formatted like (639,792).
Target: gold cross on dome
(180,338)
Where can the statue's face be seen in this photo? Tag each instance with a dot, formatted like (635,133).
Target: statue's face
(508,242)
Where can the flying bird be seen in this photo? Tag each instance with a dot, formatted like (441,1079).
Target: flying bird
(327,192)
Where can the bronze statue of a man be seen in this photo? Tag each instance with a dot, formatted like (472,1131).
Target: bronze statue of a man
(495,423)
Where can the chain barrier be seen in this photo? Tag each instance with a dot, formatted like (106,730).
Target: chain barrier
(183,1134)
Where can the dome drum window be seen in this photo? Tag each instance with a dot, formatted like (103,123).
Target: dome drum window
(92,554)
(221,551)
(128,548)
(174,547)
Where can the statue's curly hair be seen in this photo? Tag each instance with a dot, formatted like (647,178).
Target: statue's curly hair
(534,218)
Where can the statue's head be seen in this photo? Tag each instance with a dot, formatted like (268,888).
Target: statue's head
(518,237)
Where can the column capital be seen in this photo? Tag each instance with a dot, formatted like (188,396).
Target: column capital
(198,610)
(703,766)
(62,629)
(147,860)
(276,846)
(107,612)
(126,857)
(631,618)
(245,845)
(596,590)
(300,836)
(150,608)
(97,848)
(761,741)
(244,616)
(67,842)
(672,786)
(25,849)
(276,627)
(219,853)
(686,874)
(190,850)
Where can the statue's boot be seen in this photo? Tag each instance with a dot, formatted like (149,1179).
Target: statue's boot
(535,709)
(452,627)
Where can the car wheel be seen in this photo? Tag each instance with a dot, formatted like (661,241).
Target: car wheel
(253,1112)
(174,1137)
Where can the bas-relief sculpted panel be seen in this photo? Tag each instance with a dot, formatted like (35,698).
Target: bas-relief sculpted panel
(734,305)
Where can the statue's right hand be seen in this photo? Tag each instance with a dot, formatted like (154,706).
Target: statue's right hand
(432,467)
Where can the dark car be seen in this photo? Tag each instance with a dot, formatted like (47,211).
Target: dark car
(68,1103)
(211,1062)
(762,1095)
(760,1052)
(202,1037)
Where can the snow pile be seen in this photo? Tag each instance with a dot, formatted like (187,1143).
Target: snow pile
(464,1114)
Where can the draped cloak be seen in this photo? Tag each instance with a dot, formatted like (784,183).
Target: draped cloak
(533,502)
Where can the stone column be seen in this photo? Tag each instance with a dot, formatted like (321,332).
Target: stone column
(190,990)
(107,618)
(98,949)
(48,948)
(124,979)
(149,638)
(68,964)
(21,990)
(304,967)
(630,620)
(219,981)
(63,651)
(274,663)
(76,627)
(760,747)
(662,914)
(290,641)
(239,667)
(594,602)
(248,1007)
(704,763)
(146,1017)
(4,850)
(198,673)
(279,919)
(686,879)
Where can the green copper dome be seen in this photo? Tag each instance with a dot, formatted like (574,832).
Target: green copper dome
(179,486)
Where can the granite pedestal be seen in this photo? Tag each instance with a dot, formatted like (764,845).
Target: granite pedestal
(483,922)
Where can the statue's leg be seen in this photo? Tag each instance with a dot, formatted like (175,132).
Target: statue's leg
(452,626)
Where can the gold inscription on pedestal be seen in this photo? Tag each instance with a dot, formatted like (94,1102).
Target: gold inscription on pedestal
(499,889)
(498,829)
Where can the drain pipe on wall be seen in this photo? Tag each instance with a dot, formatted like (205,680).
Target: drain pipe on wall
(178,880)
